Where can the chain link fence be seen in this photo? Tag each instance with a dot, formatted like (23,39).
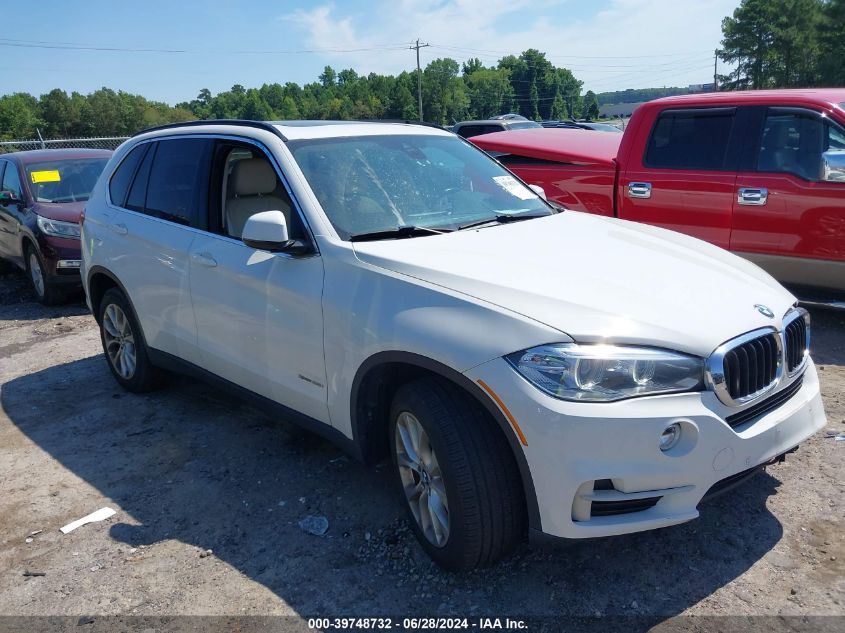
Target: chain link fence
(102,142)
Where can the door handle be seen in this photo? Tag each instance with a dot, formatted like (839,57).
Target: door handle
(204,259)
(120,229)
(639,190)
(753,196)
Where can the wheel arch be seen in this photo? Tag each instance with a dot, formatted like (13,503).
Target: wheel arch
(99,280)
(27,242)
(377,379)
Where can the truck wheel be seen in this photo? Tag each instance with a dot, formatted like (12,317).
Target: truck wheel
(123,344)
(45,292)
(458,476)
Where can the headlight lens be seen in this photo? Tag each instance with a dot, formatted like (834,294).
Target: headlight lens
(57,228)
(603,373)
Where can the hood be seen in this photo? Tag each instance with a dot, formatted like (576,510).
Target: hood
(65,211)
(596,279)
(580,147)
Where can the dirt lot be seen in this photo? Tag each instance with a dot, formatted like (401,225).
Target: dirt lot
(189,469)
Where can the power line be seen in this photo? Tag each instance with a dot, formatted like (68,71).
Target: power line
(84,47)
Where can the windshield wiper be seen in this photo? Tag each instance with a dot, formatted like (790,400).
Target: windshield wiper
(398,232)
(503,218)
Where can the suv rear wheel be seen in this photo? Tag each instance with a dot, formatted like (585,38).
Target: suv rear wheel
(457,474)
(123,343)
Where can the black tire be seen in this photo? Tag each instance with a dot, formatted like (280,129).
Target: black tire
(50,294)
(486,505)
(145,375)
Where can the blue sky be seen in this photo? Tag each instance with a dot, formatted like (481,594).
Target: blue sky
(609,44)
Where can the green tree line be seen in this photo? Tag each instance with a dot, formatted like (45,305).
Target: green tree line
(784,44)
(101,113)
(528,84)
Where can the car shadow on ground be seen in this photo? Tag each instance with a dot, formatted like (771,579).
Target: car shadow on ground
(190,464)
(18,301)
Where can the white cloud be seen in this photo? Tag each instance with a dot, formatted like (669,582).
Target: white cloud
(631,43)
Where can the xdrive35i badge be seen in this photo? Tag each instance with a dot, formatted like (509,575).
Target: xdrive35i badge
(764,310)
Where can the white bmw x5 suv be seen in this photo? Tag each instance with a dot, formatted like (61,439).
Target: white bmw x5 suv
(398,291)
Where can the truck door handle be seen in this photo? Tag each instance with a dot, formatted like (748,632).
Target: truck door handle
(639,190)
(753,196)
(204,259)
(120,229)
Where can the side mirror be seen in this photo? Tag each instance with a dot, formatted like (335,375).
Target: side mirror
(538,190)
(833,165)
(268,231)
(9,197)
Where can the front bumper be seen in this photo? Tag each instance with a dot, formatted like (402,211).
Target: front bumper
(571,446)
(62,259)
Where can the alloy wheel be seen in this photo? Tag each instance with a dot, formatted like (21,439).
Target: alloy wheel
(422,479)
(119,341)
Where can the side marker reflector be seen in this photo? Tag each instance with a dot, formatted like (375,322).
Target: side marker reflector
(505,410)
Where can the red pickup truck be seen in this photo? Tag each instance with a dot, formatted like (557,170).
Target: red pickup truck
(759,173)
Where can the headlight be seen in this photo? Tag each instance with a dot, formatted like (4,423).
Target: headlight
(602,373)
(57,228)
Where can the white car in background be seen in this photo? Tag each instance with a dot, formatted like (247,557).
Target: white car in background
(398,291)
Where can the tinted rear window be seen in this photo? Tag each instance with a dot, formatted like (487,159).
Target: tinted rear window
(138,193)
(122,177)
(690,140)
(477,130)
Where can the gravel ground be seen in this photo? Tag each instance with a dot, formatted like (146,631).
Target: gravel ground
(209,494)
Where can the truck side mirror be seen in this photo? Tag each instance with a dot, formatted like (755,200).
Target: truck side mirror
(833,165)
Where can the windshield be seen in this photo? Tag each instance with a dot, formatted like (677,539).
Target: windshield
(368,184)
(67,180)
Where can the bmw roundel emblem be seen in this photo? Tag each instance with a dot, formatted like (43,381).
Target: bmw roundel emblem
(764,310)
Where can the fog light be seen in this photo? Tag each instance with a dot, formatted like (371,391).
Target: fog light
(670,436)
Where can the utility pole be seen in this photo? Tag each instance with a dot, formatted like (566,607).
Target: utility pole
(716,71)
(418,46)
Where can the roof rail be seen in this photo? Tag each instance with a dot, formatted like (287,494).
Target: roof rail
(261,125)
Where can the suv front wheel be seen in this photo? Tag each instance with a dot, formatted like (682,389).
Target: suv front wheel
(45,292)
(457,474)
(123,343)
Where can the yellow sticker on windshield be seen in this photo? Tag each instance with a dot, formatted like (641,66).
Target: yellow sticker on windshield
(49,175)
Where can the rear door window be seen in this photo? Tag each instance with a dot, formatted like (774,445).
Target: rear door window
(177,188)
(691,139)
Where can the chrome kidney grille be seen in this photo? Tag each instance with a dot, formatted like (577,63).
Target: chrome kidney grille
(751,367)
(745,369)
(796,344)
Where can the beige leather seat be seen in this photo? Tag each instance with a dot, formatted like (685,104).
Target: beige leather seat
(253,180)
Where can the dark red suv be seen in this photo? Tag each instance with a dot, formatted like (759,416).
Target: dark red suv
(42,194)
